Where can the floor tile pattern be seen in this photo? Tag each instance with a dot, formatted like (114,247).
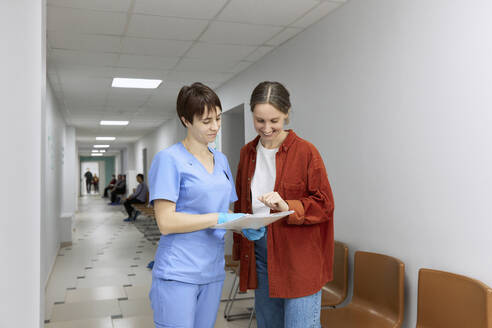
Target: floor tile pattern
(101,280)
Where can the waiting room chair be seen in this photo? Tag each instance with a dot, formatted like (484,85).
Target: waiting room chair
(146,208)
(378,299)
(335,292)
(234,291)
(448,300)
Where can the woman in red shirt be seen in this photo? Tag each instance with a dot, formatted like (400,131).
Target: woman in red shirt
(278,171)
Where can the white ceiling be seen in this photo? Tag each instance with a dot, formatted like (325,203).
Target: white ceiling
(178,41)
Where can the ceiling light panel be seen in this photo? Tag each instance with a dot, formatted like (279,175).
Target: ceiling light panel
(119,82)
(114,122)
(106,138)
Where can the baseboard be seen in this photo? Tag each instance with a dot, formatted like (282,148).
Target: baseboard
(65,244)
(53,262)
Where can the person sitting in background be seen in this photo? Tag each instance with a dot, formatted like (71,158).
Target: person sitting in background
(118,189)
(95,182)
(138,197)
(110,185)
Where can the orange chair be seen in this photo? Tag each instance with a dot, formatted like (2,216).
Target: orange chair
(335,292)
(448,300)
(378,295)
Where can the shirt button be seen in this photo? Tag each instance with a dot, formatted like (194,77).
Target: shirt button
(245,256)
(249,179)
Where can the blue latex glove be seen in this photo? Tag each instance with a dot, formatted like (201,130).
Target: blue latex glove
(253,234)
(226,217)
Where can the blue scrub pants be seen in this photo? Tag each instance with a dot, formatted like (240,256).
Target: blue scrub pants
(301,312)
(182,305)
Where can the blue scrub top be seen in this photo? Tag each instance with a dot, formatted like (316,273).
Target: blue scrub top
(176,175)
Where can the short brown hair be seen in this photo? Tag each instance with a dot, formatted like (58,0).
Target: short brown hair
(273,93)
(192,100)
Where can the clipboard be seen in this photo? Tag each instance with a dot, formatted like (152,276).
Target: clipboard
(252,221)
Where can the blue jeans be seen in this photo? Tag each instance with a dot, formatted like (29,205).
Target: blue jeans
(301,312)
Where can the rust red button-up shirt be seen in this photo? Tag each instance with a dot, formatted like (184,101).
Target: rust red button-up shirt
(300,247)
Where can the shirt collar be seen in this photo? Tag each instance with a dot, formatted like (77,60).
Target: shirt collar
(291,137)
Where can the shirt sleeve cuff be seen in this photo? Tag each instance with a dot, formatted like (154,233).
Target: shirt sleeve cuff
(298,216)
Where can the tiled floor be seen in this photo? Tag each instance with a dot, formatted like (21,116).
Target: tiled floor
(102,280)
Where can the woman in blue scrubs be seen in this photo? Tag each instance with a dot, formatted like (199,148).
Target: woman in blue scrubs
(191,187)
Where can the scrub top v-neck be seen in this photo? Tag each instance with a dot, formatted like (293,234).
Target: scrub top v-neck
(178,176)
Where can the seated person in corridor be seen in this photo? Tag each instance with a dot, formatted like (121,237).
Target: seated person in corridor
(118,189)
(138,197)
(109,186)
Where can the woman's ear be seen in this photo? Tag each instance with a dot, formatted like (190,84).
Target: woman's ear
(185,121)
(287,118)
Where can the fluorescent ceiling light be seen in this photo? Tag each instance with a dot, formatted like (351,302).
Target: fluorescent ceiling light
(114,122)
(102,151)
(105,138)
(96,154)
(95,151)
(101,146)
(120,82)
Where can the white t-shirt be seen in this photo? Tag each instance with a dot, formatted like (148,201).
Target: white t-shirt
(264,177)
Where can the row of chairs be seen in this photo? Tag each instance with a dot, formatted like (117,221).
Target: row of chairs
(445,300)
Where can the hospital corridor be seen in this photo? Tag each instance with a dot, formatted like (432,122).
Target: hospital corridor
(245,163)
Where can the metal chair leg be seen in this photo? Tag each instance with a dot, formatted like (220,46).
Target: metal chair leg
(236,289)
(253,312)
(229,299)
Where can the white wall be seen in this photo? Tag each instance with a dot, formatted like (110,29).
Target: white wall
(70,182)
(117,164)
(22,88)
(396,96)
(166,135)
(130,157)
(70,171)
(54,172)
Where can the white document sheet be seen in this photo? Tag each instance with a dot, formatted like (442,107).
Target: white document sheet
(252,221)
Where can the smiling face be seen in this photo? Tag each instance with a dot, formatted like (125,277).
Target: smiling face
(269,122)
(204,129)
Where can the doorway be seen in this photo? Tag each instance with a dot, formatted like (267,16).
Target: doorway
(144,162)
(232,142)
(93,167)
(233,135)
